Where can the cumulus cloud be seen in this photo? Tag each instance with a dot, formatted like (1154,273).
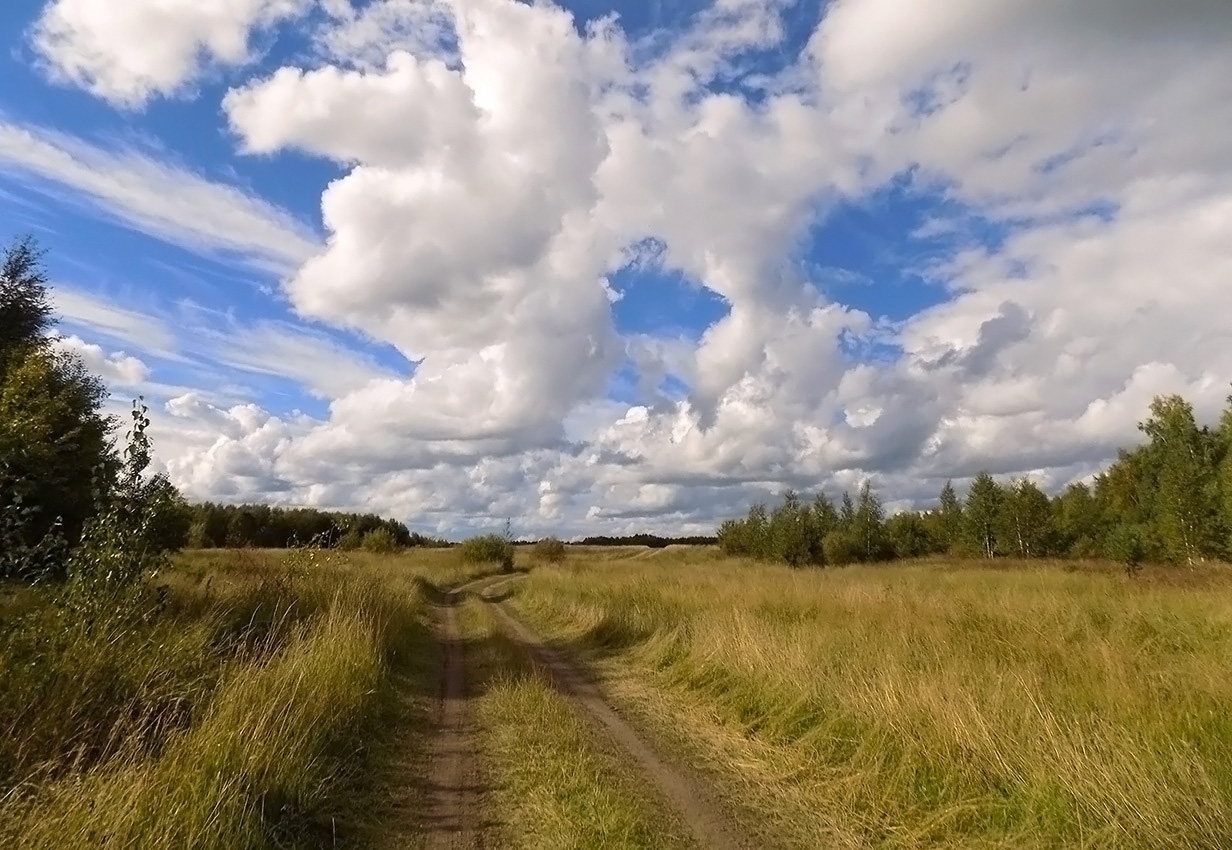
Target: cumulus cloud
(502,165)
(117,369)
(131,51)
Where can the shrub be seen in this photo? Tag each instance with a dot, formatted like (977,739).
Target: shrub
(351,540)
(550,550)
(487,549)
(1126,546)
(841,548)
(380,541)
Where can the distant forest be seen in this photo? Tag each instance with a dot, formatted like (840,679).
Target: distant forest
(652,540)
(214,526)
(1168,500)
(218,526)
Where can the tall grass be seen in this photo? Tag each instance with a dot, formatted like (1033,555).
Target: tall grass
(229,714)
(917,706)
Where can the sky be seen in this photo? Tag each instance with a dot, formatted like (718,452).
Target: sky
(604,268)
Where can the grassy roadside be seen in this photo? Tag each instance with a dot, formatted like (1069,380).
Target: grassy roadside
(235,709)
(556,786)
(922,707)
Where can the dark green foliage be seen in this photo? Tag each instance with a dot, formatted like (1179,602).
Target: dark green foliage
(379,541)
(810,534)
(1025,523)
(486,549)
(1077,523)
(868,526)
(53,439)
(214,526)
(908,535)
(1186,508)
(654,541)
(949,518)
(841,548)
(122,543)
(1125,545)
(25,309)
(982,514)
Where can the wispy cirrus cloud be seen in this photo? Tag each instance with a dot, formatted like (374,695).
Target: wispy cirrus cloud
(156,197)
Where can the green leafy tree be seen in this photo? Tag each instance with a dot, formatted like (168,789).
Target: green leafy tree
(792,532)
(982,513)
(841,548)
(25,308)
(54,441)
(550,550)
(379,541)
(847,512)
(1186,513)
(1076,518)
(1025,520)
(1125,545)
(909,537)
(950,517)
(1225,473)
(869,526)
(825,516)
(122,543)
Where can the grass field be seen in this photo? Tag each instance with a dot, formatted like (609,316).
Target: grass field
(925,705)
(235,708)
(274,700)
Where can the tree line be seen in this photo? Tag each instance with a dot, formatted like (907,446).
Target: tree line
(653,541)
(1167,500)
(216,526)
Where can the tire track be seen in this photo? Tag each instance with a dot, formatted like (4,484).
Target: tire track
(453,818)
(693,801)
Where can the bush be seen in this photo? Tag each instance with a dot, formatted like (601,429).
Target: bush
(1125,544)
(842,548)
(380,541)
(487,549)
(550,550)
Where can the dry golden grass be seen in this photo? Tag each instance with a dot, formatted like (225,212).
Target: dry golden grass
(236,713)
(922,706)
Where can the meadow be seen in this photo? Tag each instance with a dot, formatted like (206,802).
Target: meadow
(236,703)
(258,699)
(925,705)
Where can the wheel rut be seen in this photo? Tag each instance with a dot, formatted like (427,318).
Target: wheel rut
(695,803)
(453,817)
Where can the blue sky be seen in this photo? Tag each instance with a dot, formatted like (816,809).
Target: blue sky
(807,238)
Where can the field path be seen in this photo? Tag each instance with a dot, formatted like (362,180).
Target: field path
(694,802)
(454,817)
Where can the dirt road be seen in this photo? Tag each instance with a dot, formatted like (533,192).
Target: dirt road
(696,804)
(455,817)
(454,812)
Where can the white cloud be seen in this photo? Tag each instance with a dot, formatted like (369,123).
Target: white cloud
(327,368)
(210,343)
(366,34)
(131,51)
(155,197)
(493,188)
(84,310)
(117,369)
